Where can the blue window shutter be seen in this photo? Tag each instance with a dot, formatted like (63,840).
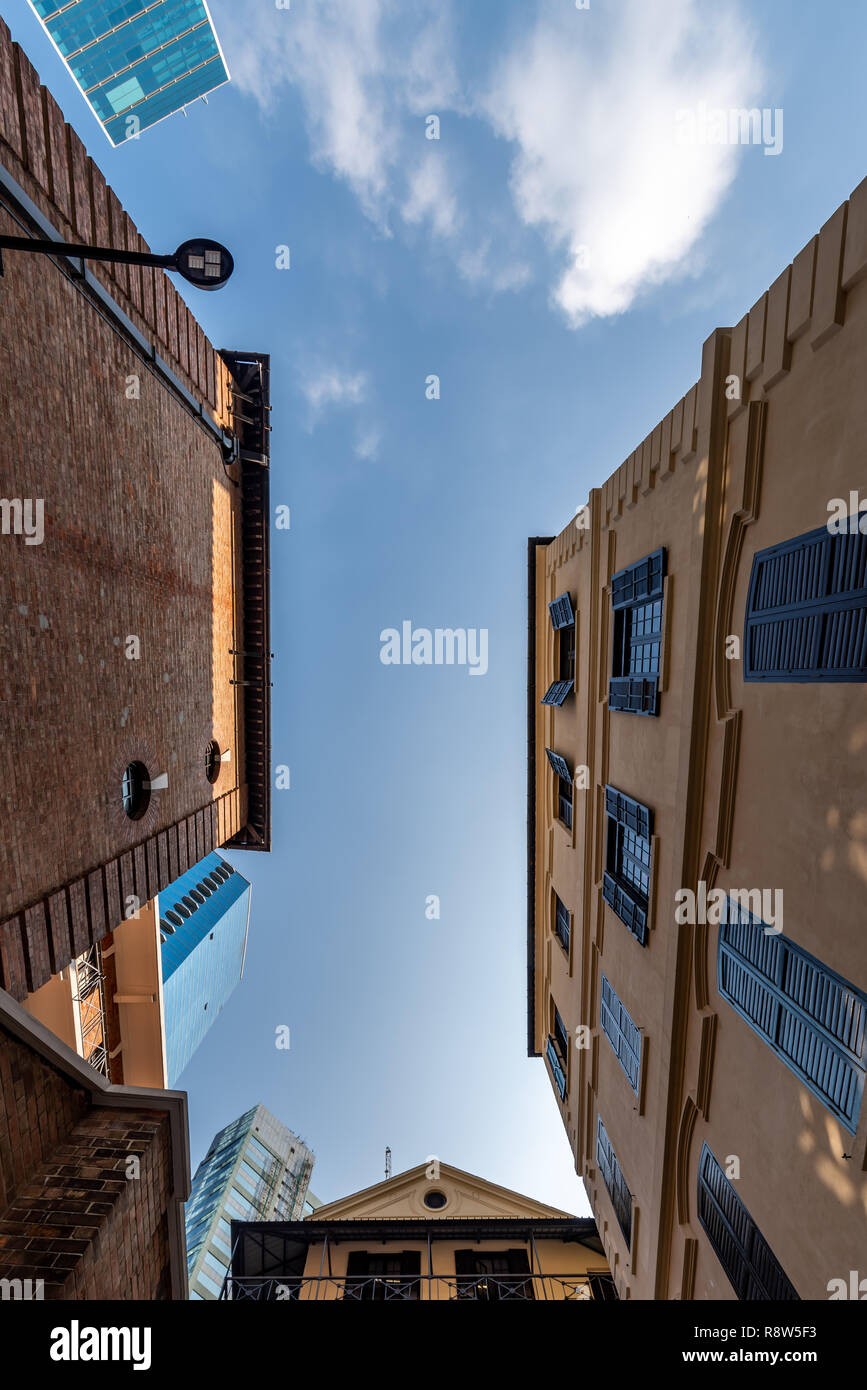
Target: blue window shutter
(556,1066)
(621,1032)
(749,1263)
(557,692)
(806,615)
(639,582)
(559,765)
(612,1176)
(626,906)
(815,1021)
(635,694)
(627,811)
(562,614)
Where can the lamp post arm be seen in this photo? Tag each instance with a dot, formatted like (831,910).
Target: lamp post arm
(88,253)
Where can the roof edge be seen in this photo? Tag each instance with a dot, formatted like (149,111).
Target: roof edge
(532,543)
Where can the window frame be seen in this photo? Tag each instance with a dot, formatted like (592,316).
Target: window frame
(633,589)
(627,901)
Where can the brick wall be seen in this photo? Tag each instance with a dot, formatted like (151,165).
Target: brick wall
(142,538)
(44,154)
(69,1214)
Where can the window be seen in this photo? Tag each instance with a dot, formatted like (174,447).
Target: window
(180,910)
(204,889)
(135,790)
(602,1287)
(612,1176)
(806,616)
(557,1051)
(563,623)
(814,1020)
(622,1034)
(492,1276)
(561,922)
(210,1284)
(740,1247)
(626,881)
(636,600)
(212,761)
(562,789)
(379,1278)
(435,1200)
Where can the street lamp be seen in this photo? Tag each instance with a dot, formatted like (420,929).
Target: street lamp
(204,263)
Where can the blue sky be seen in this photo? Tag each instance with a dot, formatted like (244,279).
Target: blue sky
(557,258)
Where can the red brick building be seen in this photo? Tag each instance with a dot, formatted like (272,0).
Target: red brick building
(93,1177)
(134,634)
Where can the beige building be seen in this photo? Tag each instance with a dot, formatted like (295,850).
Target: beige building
(434,1232)
(697,815)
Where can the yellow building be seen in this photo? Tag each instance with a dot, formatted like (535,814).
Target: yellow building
(434,1232)
(697,815)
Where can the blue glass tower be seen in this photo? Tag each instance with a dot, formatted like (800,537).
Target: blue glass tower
(136,61)
(204,920)
(255,1170)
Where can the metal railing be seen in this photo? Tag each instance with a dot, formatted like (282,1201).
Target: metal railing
(414,1288)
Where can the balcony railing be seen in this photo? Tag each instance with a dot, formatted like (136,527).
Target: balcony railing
(378,1288)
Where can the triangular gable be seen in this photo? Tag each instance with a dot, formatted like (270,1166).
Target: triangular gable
(466,1196)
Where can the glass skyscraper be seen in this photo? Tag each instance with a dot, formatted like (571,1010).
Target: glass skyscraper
(255,1170)
(136,61)
(204,921)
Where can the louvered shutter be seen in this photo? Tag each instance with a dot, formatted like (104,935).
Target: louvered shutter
(626,907)
(627,811)
(748,1261)
(639,582)
(815,1021)
(806,617)
(557,692)
(635,694)
(612,1176)
(559,765)
(621,1032)
(562,613)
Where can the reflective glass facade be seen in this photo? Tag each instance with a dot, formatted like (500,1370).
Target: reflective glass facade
(204,919)
(255,1170)
(136,61)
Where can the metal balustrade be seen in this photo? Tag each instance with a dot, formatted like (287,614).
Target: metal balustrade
(379,1288)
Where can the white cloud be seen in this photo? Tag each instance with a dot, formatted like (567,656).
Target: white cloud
(330,387)
(598,167)
(367,444)
(477,265)
(587,99)
(362,67)
(430,196)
